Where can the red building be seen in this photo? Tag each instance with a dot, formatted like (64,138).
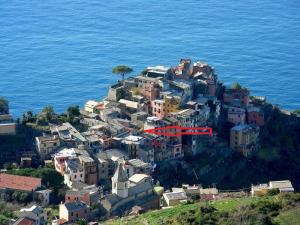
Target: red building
(255,116)
(240,94)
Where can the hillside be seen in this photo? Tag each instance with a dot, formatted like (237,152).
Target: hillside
(279,210)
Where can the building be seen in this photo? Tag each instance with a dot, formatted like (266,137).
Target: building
(202,67)
(35,213)
(46,145)
(240,94)
(43,196)
(19,183)
(243,138)
(184,89)
(73,211)
(90,195)
(148,87)
(188,118)
(7,125)
(90,169)
(68,135)
(60,158)
(158,108)
(126,194)
(116,92)
(174,198)
(24,221)
(139,118)
(172,103)
(192,191)
(282,185)
(73,172)
(262,189)
(236,115)
(90,106)
(108,161)
(138,148)
(208,194)
(259,190)
(159,72)
(255,116)
(137,166)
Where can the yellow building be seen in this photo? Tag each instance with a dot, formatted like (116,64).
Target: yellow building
(243,138)
(172,104)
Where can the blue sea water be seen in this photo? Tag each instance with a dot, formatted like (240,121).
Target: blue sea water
(61,52)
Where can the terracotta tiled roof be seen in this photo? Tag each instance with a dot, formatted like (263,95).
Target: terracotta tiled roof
(61,221)
(24,221)
(22,183)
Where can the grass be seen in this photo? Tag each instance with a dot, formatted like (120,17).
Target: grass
(230,204)
(157,216)
(291,217)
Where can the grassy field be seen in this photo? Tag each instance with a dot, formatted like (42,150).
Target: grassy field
(291,217)
(159,216)
(288,212)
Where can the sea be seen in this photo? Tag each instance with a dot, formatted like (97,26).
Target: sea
(61,52)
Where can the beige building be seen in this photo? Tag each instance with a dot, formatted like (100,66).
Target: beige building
(262,189)
(90,106)
(128,192)
(46,145)
(7,126)
(35,213)
(243,138)
(174,198)
(73,211)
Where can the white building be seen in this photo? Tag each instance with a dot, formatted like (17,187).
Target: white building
(45,145)
(35,213)
(73,172)
(90,106)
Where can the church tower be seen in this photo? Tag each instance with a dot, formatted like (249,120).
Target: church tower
(120,182)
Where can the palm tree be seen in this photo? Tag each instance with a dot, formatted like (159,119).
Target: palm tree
(122,70)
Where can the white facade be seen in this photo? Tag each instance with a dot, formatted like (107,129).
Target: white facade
(36,213)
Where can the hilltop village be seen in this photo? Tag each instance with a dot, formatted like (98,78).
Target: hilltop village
(106,159)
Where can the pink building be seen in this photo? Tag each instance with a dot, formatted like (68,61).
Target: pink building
(236,115)
(148,87)
(255,116)
(158,108)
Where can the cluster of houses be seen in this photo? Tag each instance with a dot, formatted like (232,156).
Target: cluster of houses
(107,160)
(130,194)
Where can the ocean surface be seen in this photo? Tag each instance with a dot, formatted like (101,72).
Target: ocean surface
(61,53)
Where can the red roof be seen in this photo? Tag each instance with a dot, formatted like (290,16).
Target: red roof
(24,221)
(21,183)
(61,221)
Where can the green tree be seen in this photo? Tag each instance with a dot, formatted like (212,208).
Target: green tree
(28,117)
(81,222)
(273,191)
(46,115)
(236,86)
(122,70)
(3,106)
(73,111)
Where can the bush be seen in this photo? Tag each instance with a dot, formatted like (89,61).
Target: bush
(273,191)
